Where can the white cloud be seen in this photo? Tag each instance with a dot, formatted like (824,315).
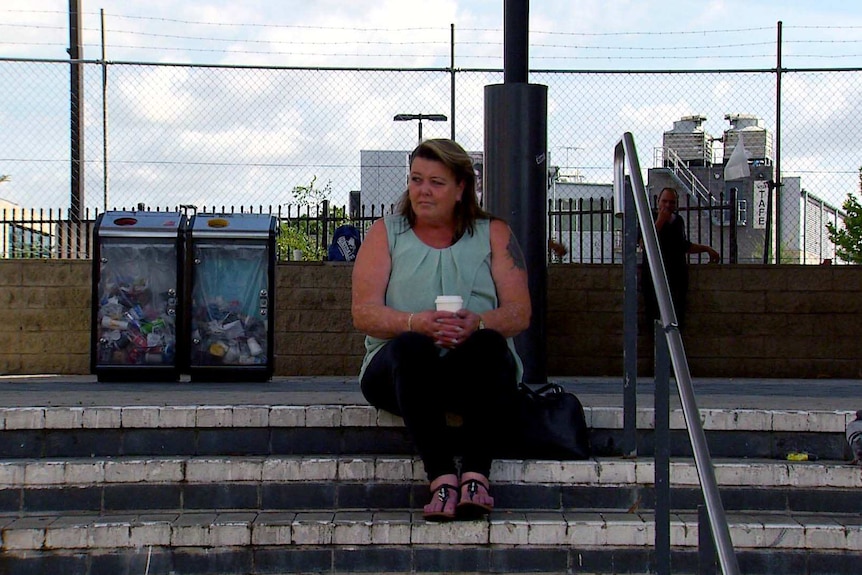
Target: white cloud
(315,123)
(158,96)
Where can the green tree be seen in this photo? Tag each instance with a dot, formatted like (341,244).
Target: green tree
(304,230)
(848,240)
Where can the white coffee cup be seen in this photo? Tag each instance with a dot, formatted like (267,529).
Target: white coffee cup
(449,303)
(253,347)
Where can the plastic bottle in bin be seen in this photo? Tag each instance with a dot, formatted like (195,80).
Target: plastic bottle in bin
(133,330)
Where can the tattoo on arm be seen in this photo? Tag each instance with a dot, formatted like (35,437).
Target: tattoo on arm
(515,252)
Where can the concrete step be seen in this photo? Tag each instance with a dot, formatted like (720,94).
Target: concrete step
(35,473)
(111,431)
(125,484)
(283,478)
(401,541)
(204,415)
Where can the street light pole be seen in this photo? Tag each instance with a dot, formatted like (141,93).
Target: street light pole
(420,117)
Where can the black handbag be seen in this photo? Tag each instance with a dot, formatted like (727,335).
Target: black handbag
(550,424)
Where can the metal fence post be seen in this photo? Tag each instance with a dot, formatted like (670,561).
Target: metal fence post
(325,225)
(705,543)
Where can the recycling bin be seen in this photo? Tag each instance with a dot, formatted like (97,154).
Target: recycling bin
(137,283)
(231,286)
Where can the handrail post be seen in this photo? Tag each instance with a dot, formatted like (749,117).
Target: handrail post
(661,399)
(630,322)
(625,152)
(705,544)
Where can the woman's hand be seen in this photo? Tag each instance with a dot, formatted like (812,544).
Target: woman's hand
(451,329)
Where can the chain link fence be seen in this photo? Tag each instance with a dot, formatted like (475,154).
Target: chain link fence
(264,138)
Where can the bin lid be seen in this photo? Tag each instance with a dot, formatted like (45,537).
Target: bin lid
(140,224)
(233,225)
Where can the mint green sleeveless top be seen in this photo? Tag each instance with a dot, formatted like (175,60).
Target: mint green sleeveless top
(420,273)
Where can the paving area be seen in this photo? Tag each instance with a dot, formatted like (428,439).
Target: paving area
(86,391)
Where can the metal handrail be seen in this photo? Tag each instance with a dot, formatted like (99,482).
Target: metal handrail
(680,169)
(625,152)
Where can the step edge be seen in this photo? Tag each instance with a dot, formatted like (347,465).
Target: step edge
(231,416)
(584,529)
(603,471)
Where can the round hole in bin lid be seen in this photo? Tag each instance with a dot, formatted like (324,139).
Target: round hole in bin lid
(125,221)
(218,223)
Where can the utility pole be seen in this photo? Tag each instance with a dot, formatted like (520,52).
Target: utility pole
(76,88)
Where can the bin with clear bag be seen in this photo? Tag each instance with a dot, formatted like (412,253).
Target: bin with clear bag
(230,285)
(137,287)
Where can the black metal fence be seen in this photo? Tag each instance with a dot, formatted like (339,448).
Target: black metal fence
(57,234)
(587,230)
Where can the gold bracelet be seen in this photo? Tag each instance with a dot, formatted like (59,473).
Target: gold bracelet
(410,322)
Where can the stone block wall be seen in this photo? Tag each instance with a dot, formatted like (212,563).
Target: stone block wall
(743,321)
(313,325)
(44,316)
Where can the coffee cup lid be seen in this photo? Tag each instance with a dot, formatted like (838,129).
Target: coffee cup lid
(448,298)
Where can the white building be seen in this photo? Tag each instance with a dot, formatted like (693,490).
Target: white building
(24,234)
(582,220)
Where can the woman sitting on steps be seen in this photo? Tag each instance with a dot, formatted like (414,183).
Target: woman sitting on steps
(422,363)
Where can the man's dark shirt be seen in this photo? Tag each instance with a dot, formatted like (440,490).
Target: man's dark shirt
(674,246)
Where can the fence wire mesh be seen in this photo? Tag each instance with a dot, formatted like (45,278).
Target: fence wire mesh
(269,137)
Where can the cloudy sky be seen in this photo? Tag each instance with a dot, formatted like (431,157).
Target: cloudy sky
(564,35)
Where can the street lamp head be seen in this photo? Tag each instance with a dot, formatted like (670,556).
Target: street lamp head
(420,117)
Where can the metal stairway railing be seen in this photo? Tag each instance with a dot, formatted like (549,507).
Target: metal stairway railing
(670,160)
(629,198)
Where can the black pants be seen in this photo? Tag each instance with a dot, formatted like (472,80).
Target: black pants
(476,380)
(678,283)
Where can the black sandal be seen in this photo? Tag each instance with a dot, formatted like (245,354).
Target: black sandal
(442,495)
(468,508)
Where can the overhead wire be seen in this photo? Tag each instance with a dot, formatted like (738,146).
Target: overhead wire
(372,42)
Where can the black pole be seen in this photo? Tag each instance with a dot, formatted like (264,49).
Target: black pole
(777,177)
(773,189)
(516,175)
(76,88)
(104,116)
(733,241)
(516,25)
(515,186)
(452,81)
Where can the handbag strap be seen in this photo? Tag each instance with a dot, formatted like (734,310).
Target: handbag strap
(547,389)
